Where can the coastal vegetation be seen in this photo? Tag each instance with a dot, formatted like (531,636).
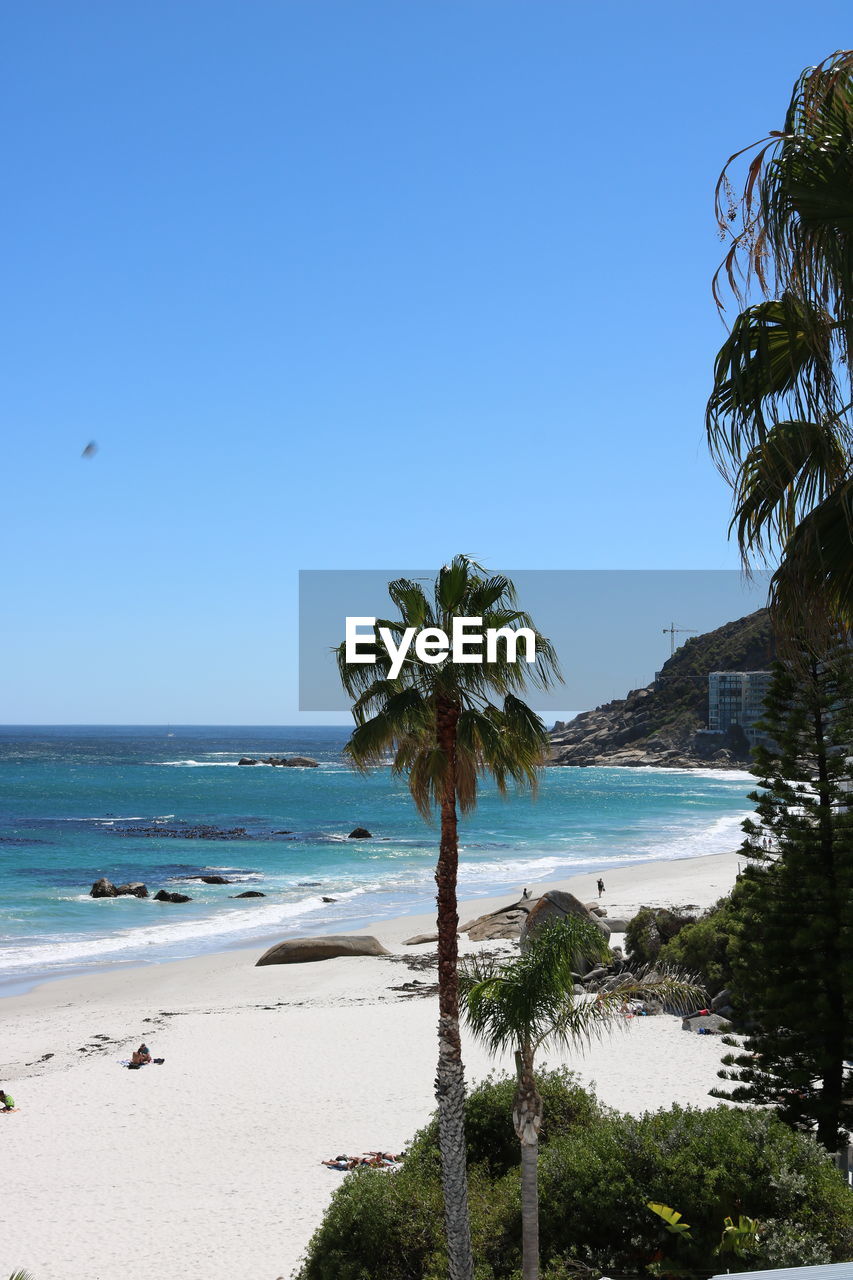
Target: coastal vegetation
(598,1171)
(778,418)
(525,1003)
(445,725)
(791,950)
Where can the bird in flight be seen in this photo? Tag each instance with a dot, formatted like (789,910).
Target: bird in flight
(90,450)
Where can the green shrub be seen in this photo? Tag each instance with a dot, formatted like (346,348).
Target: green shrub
(703,948)
(491,1138)
(650,929)
(598,1170)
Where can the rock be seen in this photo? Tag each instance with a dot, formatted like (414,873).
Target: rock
(250,893)
(419,938)
(103,888)
(301,762)
(556,905)
(360,833)
(329,899)
(505,924)
(246,760)
(723,998)
(162,896)
(304,950)
(596,908)
(616,924)
(711,1024)
(211,879)
(135,890)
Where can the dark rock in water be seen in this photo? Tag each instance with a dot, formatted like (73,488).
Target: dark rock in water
(211,879)
(291,762)
(180,832)
(103,888)
(246,760)
(162,896)
(250,893)
(281,833)
(330,899)
(135,889)
(303,950)
(360,833)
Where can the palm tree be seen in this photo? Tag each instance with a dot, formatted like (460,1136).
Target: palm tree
(519,1005)
(779,415)
(441,728)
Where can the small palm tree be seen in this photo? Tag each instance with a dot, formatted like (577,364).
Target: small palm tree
(441,728)
(519,1005)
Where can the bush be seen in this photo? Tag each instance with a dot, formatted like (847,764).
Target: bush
(489,1131)
(650,929)
(702,948)
(598,1170)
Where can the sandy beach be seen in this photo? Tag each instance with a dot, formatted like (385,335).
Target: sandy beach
(209,1165)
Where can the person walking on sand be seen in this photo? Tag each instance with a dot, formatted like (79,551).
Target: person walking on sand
(600,886)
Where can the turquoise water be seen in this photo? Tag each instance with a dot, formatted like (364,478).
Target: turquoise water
(77,804)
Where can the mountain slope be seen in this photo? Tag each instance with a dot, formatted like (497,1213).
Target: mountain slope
(658,724)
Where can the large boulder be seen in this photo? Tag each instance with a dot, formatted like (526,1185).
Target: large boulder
(709,1024)
(360,833)
(103,888)
(249,893)
(246,760)
(300,762)
(304,950)
(557,905)
(616,924)
(136,889)
(162,896)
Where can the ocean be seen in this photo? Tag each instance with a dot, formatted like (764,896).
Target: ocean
(80,803)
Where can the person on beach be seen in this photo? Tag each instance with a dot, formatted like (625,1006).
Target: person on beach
(140,1056)
(600,886)
(7,1102)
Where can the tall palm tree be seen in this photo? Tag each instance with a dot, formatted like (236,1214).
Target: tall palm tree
(441,728)
(519,1005)
(779,416)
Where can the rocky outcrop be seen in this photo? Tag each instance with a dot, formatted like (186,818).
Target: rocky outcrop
(360,833)
(557,905)
(163,896)
(419,938)
(709,1024)
(105,888)
(102,888)
(306,950)
(134,890)
(660,724)
(283,762)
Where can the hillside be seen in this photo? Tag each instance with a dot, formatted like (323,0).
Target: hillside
(658,724)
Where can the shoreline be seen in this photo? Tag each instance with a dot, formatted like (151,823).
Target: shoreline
(268,1069)
(420,921)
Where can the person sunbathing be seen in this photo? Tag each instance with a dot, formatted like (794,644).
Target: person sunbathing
(140,1056)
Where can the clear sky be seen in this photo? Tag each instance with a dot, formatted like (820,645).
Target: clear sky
(348,284)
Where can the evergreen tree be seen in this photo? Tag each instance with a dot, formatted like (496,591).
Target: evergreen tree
(792,954)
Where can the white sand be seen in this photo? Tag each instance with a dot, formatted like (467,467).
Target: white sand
(209,1167)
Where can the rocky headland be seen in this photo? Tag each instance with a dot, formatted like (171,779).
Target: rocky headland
(660,725)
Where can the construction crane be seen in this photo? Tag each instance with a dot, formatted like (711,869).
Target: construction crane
(672,631)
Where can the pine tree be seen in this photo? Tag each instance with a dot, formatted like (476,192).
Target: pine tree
(793,949)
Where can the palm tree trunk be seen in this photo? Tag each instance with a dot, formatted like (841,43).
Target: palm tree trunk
(450,1078)
(527,1118)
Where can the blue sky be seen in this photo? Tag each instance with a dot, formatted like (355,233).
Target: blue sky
(348,285)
